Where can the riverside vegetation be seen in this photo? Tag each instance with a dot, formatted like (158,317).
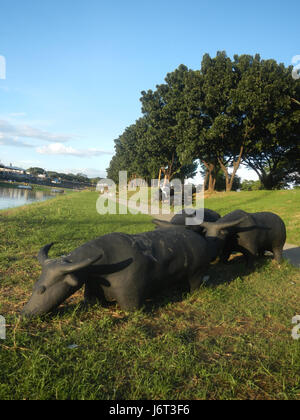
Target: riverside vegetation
(231,339)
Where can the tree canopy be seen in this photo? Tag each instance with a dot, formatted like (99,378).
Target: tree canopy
(230,111)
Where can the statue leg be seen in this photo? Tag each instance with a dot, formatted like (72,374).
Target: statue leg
(197,280)
(93,292)
(277,252)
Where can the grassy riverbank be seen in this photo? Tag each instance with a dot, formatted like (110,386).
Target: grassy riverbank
(229,340)
(35,187)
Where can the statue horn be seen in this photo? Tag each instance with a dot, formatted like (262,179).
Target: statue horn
(223,225)
(43,254)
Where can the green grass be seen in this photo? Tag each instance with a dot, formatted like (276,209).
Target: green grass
(231,339)
(284,203)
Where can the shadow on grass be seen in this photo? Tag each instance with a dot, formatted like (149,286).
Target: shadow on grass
(245,203)
(63,222)
(219,273)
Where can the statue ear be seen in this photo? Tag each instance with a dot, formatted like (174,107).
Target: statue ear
(67,267)
(71,280)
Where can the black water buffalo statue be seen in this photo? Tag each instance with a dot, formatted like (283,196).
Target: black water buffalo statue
(208,216)
(253,235)
(124,268)
(181,218)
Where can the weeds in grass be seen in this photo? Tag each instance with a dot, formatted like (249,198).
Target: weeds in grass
(230,339)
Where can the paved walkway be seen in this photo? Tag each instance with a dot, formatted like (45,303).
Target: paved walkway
(291,252)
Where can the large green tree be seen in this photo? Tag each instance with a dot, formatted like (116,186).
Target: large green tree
(266,96)
(229,112)
(160,109)
(141,151)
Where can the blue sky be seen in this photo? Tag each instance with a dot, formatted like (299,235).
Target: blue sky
(75,69)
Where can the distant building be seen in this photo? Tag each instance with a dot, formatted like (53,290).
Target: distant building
(12,169)
(55,181)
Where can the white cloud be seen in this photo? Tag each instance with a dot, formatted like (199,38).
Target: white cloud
(13,141)
(9,129)
(60,149)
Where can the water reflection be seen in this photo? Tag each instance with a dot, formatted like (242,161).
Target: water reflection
(14,197)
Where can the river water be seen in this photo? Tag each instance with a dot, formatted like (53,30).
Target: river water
(14,197)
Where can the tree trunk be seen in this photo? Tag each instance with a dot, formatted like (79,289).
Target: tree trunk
(225,170)
(268,180)
(210,183)
(210,174)
(205,180)
(168,171)
(236,164)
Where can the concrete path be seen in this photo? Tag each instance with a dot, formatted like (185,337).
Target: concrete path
(290,253)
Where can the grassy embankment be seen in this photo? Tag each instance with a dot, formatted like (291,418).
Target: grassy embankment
(35,187)
(230,339)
